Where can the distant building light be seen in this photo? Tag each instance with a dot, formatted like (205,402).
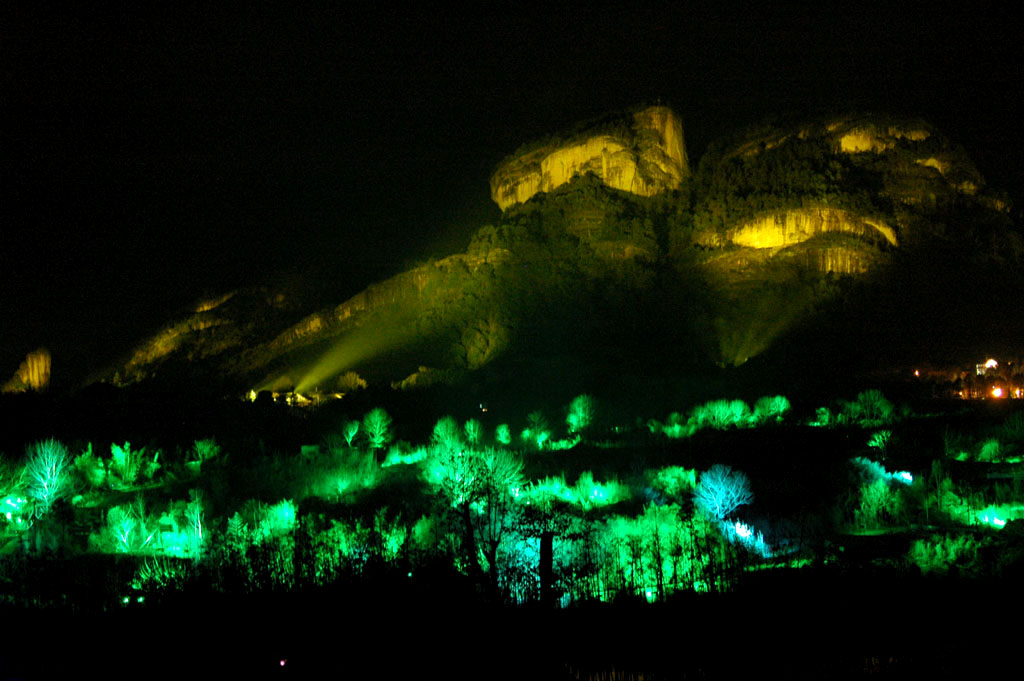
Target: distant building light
(983,369)
(997,392)
(917,372)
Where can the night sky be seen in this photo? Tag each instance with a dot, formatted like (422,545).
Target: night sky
(149,160)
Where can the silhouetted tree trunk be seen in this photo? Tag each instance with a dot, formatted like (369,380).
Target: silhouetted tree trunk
(545,568)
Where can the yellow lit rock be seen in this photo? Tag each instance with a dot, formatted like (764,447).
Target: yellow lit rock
(932,162)
(646,157)
(32,374)
(784,229)
(214,303)
(872,138)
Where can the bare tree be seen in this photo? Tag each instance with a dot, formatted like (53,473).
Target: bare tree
(49,474)
(720,491)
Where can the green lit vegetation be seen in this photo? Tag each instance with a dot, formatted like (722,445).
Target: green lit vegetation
(722,415)
(594,509)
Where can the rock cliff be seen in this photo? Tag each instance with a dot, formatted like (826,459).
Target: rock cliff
(33,374)
(644,156)
(762,232)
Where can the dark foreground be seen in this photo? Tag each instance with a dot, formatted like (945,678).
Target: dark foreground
(799,626)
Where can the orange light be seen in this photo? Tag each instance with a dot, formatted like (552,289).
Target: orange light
(991,364)
(916,372)
(997,392)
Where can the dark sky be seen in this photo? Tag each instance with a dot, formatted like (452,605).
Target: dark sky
(149,159)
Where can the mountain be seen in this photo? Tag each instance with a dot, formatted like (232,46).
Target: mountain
(613,255)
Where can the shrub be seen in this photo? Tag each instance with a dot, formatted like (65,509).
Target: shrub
(674,481)
(989,451)
(128,530)
(126,466)
(939,553)
(91,468)
(880,439)
(676,426)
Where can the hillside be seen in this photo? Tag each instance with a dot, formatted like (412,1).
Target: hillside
(677,271)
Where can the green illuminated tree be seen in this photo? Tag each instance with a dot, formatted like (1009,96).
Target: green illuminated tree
(771,409)
(479,487)
(447,433)
(720,491)
(473,431)
(537,431)
(351,430)
(48,473)
(503,434)
(377,426)
(581,413)
(880,504)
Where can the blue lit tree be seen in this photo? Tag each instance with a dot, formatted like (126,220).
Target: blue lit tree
(721,490)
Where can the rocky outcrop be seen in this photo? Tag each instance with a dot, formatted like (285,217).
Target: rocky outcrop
(405,287)
(645,157)
(869,137)
(788,228)
(779,212)
(33,374)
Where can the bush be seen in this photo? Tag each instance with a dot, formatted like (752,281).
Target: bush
(939,553)
(91,468)
(126,466)
(674,481)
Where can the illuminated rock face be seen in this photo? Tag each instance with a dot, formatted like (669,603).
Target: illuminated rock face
(792,210)
(796,226)
(876,139)
(405,287)
(33,374)
(648,159)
